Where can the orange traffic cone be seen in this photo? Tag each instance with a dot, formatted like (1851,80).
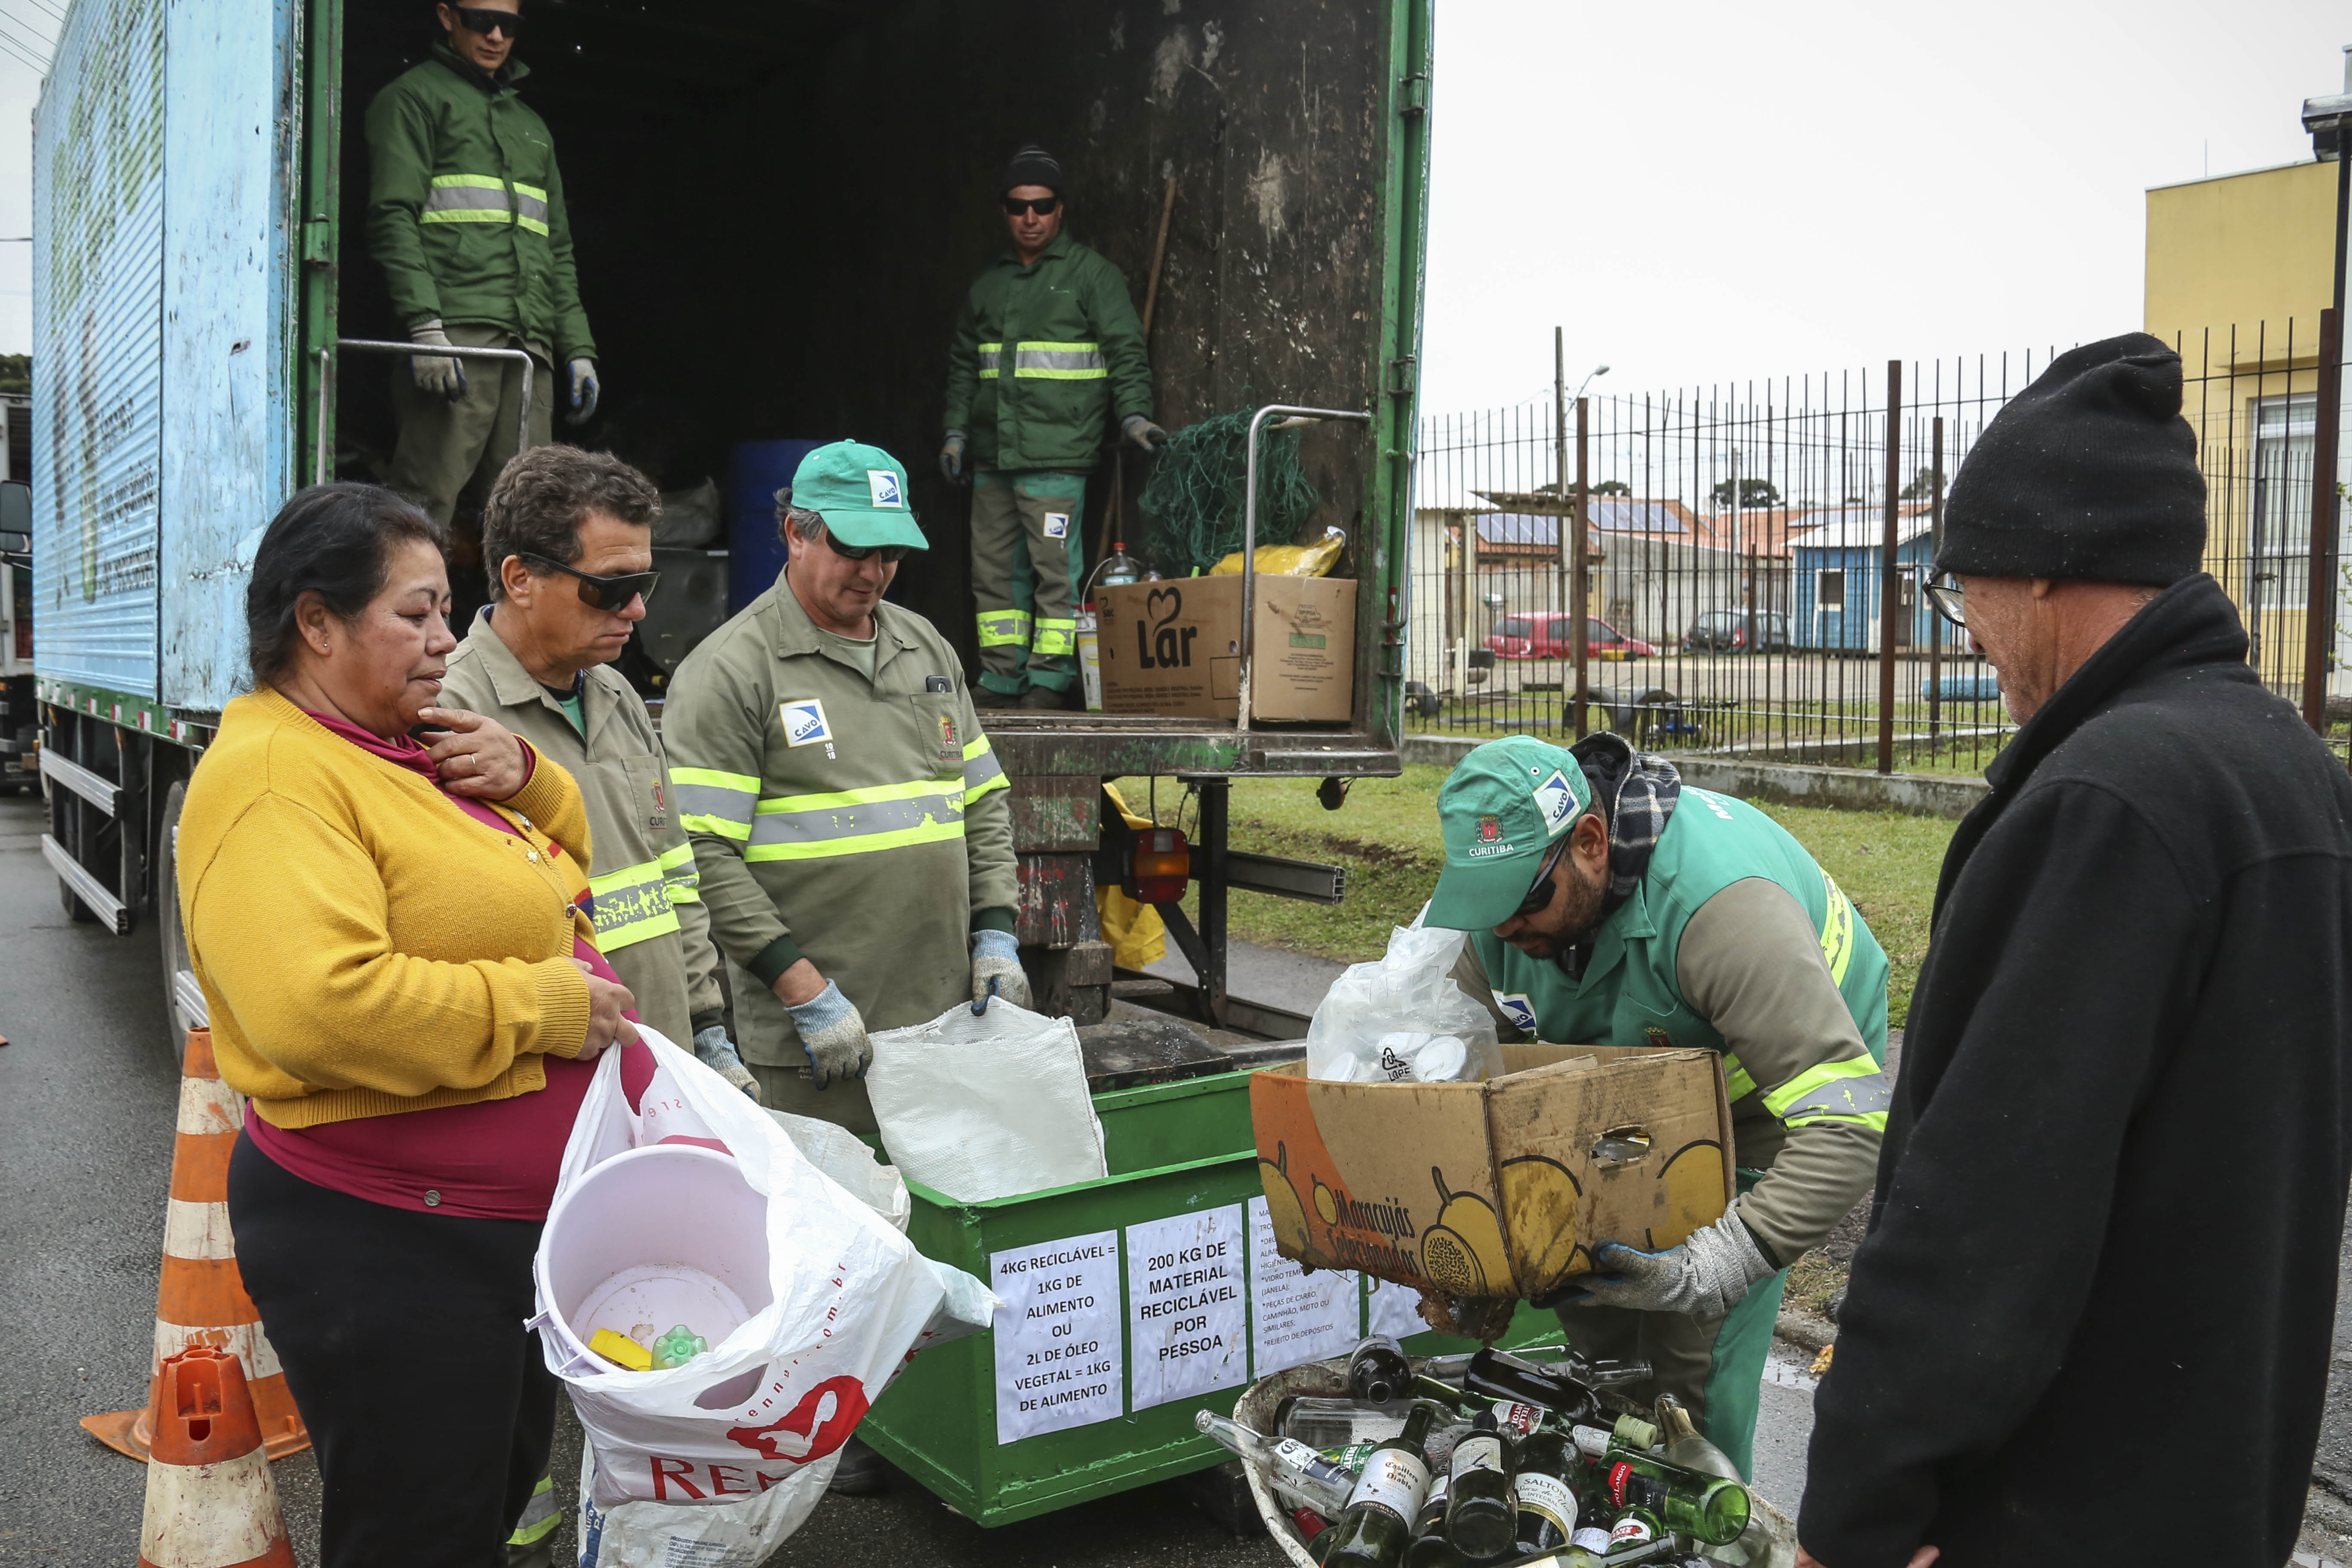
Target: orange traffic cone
(203,1299)
(210,1500)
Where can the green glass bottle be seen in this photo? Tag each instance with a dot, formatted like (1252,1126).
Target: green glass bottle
(1543,1492)
(1377,1526)
(1378,1371)
(1636,1527)
(1430,1549)
(1482,1516)
(1712,1508)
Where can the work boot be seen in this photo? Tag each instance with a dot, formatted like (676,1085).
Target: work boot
(862,1472)
(989,696)
(1046,698)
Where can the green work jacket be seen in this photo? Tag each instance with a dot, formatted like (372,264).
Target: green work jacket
(642,881)
(1735,940)
(465,207)
(860,822)
(1043,356)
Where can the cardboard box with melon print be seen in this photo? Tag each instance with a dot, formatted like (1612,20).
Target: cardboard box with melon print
(1495,1189)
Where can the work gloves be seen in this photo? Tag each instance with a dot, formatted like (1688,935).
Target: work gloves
(1705,1276)
(996,960)
(1143,432)
(952,457)
(584,389)
(435,376)
(833,1032)
(717,1052)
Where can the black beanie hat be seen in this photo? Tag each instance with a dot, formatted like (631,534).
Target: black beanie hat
(1031,166)
(2089,474)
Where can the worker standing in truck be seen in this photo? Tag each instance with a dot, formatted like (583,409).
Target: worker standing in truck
(1046,346)
(1607,902)
(465,216)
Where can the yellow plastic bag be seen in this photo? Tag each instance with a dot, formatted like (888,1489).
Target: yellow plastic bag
(1137,935)
(1314,560)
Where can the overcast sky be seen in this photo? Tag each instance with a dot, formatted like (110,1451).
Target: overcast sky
(1706,192)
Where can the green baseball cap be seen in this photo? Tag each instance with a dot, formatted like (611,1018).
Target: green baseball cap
(1502,810)
(861,493)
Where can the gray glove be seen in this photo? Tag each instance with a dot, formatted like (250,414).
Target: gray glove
(952,457)
(717,1052)
(833,1032)
(1143,432)
(1705,1276)
(584,391)
(996,956)
(435,376)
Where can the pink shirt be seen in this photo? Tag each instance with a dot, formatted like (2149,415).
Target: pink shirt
(495,1159)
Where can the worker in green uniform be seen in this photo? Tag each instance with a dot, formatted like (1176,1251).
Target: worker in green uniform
(465,216)
(1046,346)
(1607,903)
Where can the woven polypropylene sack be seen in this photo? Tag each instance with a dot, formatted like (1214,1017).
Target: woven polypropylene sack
(986,1105)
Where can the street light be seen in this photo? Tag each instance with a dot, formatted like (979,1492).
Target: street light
(2329,121)
(1604,370)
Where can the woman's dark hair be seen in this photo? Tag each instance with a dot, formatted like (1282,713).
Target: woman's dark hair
(332,540)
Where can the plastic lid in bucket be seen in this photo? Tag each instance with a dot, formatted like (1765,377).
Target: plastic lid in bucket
(662,1235)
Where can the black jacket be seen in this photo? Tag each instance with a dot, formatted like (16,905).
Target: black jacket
(2091,1321)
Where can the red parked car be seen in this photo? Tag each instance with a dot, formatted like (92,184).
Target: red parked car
(1550,634)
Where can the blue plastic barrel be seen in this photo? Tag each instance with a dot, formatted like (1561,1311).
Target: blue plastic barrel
(756,471)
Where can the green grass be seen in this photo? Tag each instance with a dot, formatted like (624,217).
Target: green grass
(1386,837)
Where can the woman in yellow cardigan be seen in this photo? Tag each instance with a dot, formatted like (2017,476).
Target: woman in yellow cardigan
(401,978)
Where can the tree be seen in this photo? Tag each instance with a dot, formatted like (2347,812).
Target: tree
(1752,492)
(1612,488)
(16,373)
(1923,484)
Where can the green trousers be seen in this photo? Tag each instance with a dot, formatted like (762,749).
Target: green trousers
(1026,559)
(1713,1366)
(448,448)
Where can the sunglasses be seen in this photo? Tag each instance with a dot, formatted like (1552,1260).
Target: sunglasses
(1540,894)
(1042,207)
(1946,596)
(483,20)
(892,554)
(601,593)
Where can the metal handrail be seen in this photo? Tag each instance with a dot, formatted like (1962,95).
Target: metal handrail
(438,351)
(1292,415)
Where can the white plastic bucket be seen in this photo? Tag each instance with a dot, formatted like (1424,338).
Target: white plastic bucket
(1090,662)
(665,1235)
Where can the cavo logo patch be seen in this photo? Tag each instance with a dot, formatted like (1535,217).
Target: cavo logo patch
(804,720)
(1058,525)
(884,486)
(1517,1009)
(1557,801)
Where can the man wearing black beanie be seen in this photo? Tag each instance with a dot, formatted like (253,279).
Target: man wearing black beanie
(2095,1308)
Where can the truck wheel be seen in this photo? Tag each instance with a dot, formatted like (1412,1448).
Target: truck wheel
(183,1008)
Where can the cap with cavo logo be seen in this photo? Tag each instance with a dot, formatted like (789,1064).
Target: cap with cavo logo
(1503,809)
(861,493)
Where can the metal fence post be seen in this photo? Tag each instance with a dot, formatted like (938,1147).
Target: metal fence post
(1581,609)
(1934,617)
(1889,599)
(1560,453)
(2319,600)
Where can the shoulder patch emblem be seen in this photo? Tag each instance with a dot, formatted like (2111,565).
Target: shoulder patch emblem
(804,721)
(1517,1009)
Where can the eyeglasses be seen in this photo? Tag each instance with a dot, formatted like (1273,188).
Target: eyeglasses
(892,554)
(601,593)
(1042,207)
(1946,596)
(1540,894)
(484,20)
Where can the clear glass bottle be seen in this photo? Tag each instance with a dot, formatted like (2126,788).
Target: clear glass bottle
(1294,1470)
(1321,1423)
(1686,1446)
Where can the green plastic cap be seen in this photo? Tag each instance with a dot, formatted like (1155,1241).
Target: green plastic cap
(861,493)
(1502,810)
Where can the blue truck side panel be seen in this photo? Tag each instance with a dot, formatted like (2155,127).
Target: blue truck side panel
(229,338)
(98,267)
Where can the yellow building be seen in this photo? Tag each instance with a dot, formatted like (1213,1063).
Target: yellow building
(2238,268)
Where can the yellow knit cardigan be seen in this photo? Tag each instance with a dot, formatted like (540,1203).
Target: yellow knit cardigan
(366,947)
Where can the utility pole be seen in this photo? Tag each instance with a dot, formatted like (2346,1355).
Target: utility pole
(1889,598)
(2329,121)
(1560,457)
(1580,609)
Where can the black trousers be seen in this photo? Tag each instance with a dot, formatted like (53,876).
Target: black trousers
(401,1335)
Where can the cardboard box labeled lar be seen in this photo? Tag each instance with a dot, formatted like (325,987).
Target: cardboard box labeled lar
(1497,1188)
(1174,648)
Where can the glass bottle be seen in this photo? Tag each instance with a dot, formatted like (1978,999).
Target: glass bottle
(1636,1526)
(1321,1423)
(1684,1444)
(1430,1549)
(1714,1509)
(1481,1516)
(1501,1375)
(1378,1371)
(1377,1526)
(1543,1492)
(1292,1467)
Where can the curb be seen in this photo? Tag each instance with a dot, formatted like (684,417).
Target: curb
(1805,1329)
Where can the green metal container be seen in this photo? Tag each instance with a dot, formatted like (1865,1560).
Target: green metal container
(1173,1149)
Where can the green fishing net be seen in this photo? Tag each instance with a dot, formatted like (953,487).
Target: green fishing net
(1194,494)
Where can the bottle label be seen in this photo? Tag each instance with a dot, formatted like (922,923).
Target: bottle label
(1393,1479)
(1631,1531)
(1591,1538)
(1439,1485)
(1619,1474)
(1514,1417)
(1292,1455)
(1477,1452)
(1548,1496)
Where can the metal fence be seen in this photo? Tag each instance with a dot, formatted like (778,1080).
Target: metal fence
(1743,542)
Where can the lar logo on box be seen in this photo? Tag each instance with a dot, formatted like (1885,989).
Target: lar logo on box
(1159,644)
(804,723)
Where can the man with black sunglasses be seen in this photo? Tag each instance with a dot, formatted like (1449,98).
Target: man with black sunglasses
(1046,348)
(466,216)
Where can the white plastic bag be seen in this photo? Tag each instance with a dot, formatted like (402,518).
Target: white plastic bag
(986,1105)
(753,1425)
(842,1155)
(1410,989)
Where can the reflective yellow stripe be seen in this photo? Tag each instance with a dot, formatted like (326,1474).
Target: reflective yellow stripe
(866,844)
(1853,1089)
(683,880)
(1736,1082)
(468,198)
(1059,361)
(540,1517)
(856,821)
(992,355)
(709,800)
(1055,636)
(472,182)
(1000,629)
(981,771)
(467,215)
(630,905)
(1837,930)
